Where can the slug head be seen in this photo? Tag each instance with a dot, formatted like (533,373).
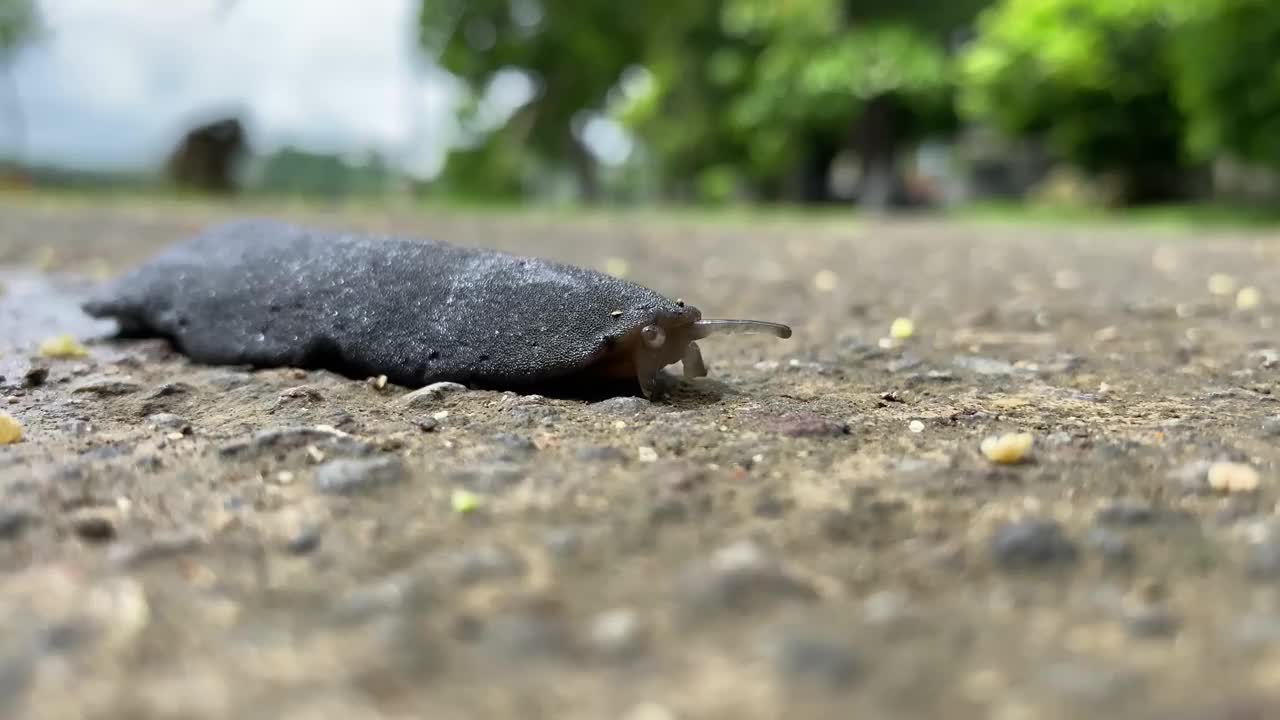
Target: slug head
(670,337)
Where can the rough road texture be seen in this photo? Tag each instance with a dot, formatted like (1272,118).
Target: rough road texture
(811,531)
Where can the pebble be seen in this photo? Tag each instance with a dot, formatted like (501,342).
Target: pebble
(478,563)
(904,363)
(1009,449)
(489,477)
(1115,549)
(304,541)
(769,505)
(739,578)
(1271,427)
(172,389)
(1262,559)
(515,444)
(982,365)
(1193,477)
(668,510)
(563,543)
(169,421)
(617,634)
(93,526)
(35,376)
(62,346)
(810,657)
(159,547)
(10,429)
(1086,682)
(229,380)
(106,387)
(1030,544)
(836,526)
(76,427)
(534,629)
(805,425)
(622,406)
(429,395)
(349,475)
(1125,511)
(13,523)
(600,453)
(290,438)
(1150,620)
(1232,477)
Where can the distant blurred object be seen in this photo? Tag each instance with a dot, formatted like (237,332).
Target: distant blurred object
(209,155)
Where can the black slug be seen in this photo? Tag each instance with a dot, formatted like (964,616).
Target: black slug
(269,294)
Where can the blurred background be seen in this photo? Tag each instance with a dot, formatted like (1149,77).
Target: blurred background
(884,105)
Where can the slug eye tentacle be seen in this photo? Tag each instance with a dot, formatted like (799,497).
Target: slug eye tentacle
(705,328)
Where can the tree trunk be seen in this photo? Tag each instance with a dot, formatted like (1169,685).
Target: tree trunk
(876,145)
(584,170)
(1155,185)
(814,174)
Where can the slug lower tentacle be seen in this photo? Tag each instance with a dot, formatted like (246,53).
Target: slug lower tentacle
(694,367)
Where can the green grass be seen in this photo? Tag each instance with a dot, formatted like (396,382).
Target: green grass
(1174,217)
(1186,216)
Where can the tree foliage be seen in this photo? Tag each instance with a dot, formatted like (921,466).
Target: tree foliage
(1227,56)
(17,24)
(1094,78)
(573,52)
(757,98)
(755,87)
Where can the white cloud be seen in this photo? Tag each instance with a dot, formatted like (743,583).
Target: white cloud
(114,82)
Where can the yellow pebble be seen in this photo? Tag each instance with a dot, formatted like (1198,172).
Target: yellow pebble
(1248,298)
(1008,449)
(10,429)
(1233,477)
(616,267)
(464,501)
(902,328)
(63,346)
(825,280)
(1221,284)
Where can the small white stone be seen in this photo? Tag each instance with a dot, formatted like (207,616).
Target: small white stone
(916,426)
(647,454)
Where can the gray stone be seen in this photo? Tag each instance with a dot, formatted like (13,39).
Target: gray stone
(430,395)
(355,475)
(1031,544)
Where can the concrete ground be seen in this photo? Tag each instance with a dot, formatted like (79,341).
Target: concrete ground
(813,530)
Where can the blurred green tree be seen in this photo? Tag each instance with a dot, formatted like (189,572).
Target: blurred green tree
(1227,59)
(573,52)
(773,92)
(1095,79)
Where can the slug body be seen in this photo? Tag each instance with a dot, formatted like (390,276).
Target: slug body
(269,294)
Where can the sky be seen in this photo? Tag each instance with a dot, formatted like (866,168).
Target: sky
(114,83)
